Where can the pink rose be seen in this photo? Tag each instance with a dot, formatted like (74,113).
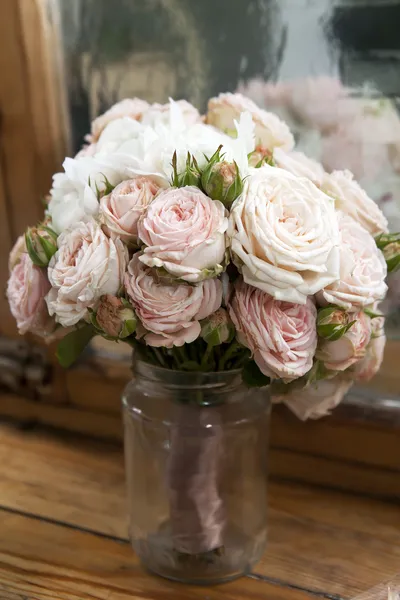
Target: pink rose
(300,165)
(270,130)
(171,313)
(26,291)
(362,269)
(282,336)
(121,209)
(316,400)
(130,107)
(350,348)
(368,366)
(184,233)
(86,266)
(351,199)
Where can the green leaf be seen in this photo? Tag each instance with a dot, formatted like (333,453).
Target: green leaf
(109,186)
(393,264)
(371,314)
(73,344)
(252,375)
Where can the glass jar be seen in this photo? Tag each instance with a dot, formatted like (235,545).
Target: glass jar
(196,466)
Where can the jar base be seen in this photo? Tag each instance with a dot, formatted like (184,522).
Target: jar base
(237,558)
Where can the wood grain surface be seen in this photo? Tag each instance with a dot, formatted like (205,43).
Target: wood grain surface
(63,532)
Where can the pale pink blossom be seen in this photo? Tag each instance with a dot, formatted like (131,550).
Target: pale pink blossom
(16,253)
(370,364)
(86,266)
(321,102)
(282,336)
(184,233)
(26,291)
(270,130)
(161,113)
(129,107)
(121,209)
(350,348)
(362,269)
(351,199)
(266,94)
(317,399)
(170,313)
(300,165)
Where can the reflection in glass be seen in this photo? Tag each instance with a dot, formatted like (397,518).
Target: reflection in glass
(329,67)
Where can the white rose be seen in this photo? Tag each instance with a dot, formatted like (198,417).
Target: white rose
(130,107)
(299,164)
(87,265)
(317,399)
(351,199)
(270,130)
(362,269)
(284,235)
(74,194)
(116,133)
(149,151)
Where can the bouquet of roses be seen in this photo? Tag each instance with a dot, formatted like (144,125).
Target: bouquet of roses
(207,243)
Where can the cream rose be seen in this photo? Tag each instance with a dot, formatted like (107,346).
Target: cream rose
(87,265)
(270,130)
(299,164)
(184,233)
(121,209)
(281,336)
(350,348)
(351,199)
(284,235)
(170,313)
(26,291)
(130,107)
(161,113)
(316,400)
(362,269)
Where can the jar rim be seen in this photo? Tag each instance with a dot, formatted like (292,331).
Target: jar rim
(186,379)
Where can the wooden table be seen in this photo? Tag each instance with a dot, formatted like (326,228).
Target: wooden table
(63,532)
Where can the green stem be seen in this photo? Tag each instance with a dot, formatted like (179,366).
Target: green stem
(234,346)
(206,356)
(182,353)
(160,357)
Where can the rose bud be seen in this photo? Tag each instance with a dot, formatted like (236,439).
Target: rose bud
(217,328)
(341,354)
(333,323)
(115,317)
(261,156)
(41,244)
(191,174)
(389,244)
(221,180)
